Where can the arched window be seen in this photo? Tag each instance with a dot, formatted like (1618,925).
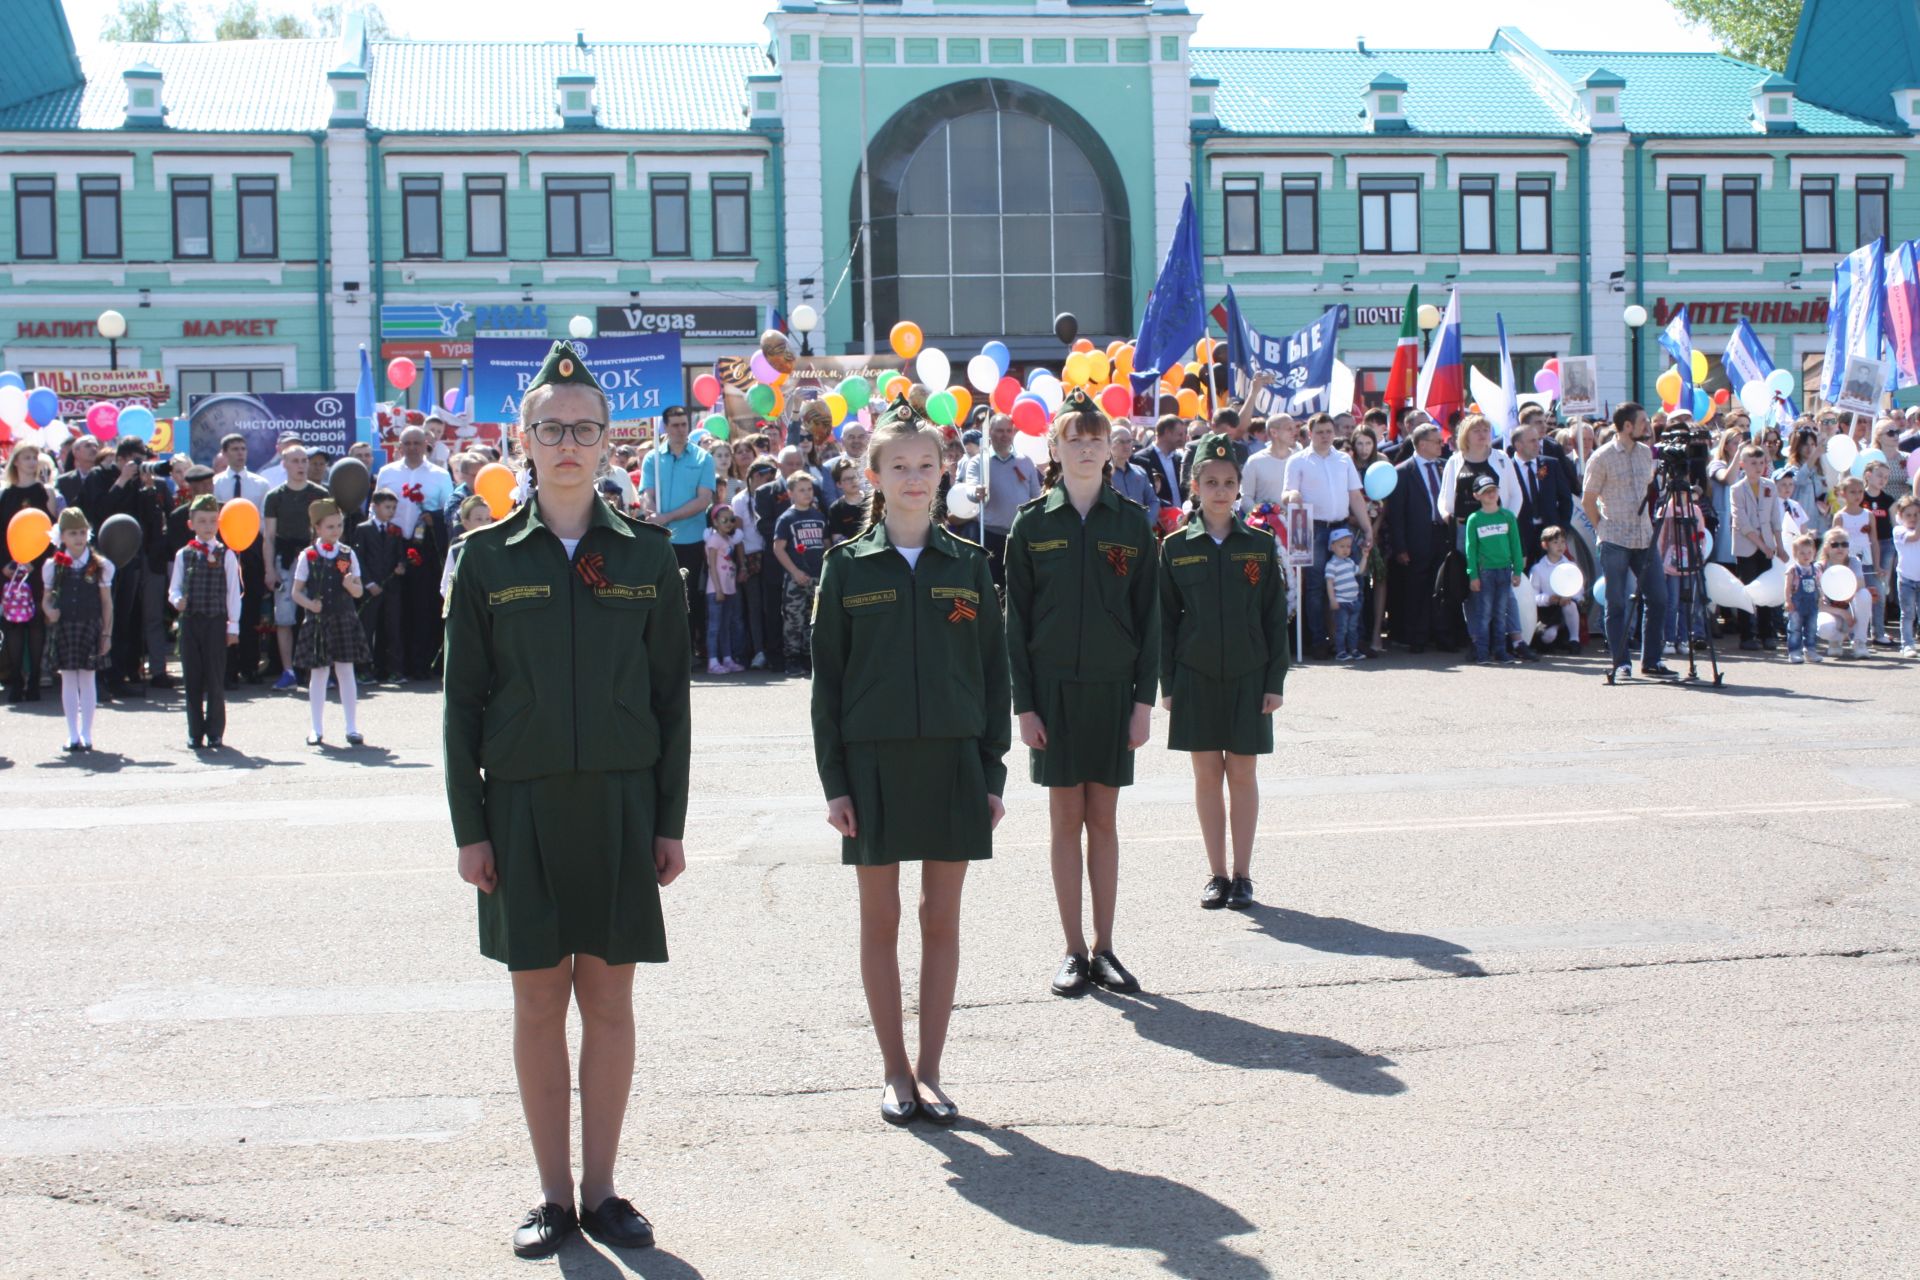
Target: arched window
(995,208)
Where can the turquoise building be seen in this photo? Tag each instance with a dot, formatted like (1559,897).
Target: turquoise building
(260,210)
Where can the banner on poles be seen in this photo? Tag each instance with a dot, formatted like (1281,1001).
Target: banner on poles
(323,421)
(81,389)
(640,373)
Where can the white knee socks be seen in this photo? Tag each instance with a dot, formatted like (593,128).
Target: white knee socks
(89,693)
(317,697)
(349,695)
(70,682)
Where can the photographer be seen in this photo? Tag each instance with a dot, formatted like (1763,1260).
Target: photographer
(1618,501)
(131,491)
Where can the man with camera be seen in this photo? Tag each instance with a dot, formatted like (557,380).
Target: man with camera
(1619,502)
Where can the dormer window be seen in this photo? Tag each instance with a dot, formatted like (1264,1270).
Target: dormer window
(574,93)
(1773,105)
(144,101)
(1779,107)
(1386,103)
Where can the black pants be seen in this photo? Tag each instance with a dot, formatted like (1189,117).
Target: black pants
(243,659)
(126,656)
(203,665)
(693,563)
(1760,623)
(1410,606)
(771,584)
(380,616)
(420,614)
(23,652)
(996,545)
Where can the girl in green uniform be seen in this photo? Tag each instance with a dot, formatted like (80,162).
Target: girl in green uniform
(1223,654)
(910,729)
(1083,639)
(567,743)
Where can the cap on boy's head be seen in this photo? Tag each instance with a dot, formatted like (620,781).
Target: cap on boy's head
(1217,447)
(1339,533)
(970,436)
(1484,483)
(205,502)
(73,518)
(384,495)
(762,467)
(563,367)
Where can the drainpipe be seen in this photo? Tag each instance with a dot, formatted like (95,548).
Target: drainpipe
(379,269)
(1586,254)
(776,138)
(322,254)
(1639,247)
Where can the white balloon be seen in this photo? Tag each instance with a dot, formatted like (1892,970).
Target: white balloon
(13,406)
(1566,580)
(1051,393)
(1757,397)
(934,368)
(1769,590)
(1837,582)
(960,503)
(1032,448)
(1725,590)
(983,373)
(1841,451)
(1528,609)
(1706,543)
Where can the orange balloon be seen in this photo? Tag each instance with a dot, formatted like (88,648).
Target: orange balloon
(239,523)
(29,533)
(1189,402)
(1123,360)
(779,401)
(1083,344)
(1203,350)
(907,339)
(897,386)
(1113,348)
(495,483)
(964,399)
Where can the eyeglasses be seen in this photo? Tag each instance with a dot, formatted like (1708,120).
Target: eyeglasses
(1839,542)
(550,432)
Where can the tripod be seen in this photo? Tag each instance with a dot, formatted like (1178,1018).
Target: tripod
(1678,491)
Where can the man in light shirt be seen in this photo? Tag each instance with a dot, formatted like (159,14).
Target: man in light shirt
(1010,481)
(1326,481)
(1265,477)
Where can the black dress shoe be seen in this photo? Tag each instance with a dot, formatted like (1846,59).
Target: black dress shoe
(1525,653)
(1111,974)
(617,1223)
(161,681)
(1657,669)
(940,1113)
(1071,979)
(213,744)
(899,1114)
(194,744)
(1242,895)
(545,1230)
(1214,896)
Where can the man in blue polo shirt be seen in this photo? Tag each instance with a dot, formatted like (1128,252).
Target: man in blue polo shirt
(676,479)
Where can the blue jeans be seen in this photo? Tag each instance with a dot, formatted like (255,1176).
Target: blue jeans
(725,625)
(1642,563)
(1880,579)
(1909,606)
(1313,585)
(1494,600)
(1803,622)
(1346,627)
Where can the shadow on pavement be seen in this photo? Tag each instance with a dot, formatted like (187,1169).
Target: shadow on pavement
(583,1259)
(1248,1046)
(1071,1198)
(1351,938)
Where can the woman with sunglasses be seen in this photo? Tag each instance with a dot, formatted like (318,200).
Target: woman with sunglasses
(567,746)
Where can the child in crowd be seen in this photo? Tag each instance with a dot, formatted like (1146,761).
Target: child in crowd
(474,514)
(78,602)
(799,543)
(1906,547)
(1343,595)
(1879,502)
(1223,660)
(1803,601)
(1794,519)
(1562,631)
(723,540)
(1675,564)
(756,561)
(383,561)
(23,630)
(1493,571)
(1851,615)
(326,583)
(1856,519)
(204,589)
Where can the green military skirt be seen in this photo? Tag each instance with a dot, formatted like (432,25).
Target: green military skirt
(573,854)
(1086,723)
(917,800)
(1213,714)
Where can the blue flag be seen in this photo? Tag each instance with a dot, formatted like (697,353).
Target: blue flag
(1176,315)
(364,400)
(1747,361)
(1301,363)
(1509,422)
(428,393)
(1678,340)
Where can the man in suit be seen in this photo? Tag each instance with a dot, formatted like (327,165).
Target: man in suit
(1546,497)
(1420,538)
(1534,416)
(1163,461)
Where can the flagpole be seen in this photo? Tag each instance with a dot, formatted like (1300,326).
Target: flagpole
(866,193)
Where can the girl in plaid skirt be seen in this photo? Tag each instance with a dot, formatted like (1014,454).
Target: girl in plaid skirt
(326,585)
(78,601)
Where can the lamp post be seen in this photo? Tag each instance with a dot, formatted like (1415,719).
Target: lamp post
(1429,319)
(805,319)
(1636,318)
(113,327)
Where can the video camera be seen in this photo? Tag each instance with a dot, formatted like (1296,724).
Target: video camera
(1681,455)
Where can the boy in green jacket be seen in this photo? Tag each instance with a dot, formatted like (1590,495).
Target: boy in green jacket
(1493,571)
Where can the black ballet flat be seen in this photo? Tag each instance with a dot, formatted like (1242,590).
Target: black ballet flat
(546,1228)
(618,1224)
(940,1113)
(899,1114)
(1241,896)
(355,740)
(314,740)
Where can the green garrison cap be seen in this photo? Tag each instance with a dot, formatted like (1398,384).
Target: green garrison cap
(1078,401)
(1215,447)
(205,502)
(900,411)
(563,367)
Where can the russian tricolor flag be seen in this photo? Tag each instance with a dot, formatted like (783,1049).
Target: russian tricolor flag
(1443,378)
(1902,318)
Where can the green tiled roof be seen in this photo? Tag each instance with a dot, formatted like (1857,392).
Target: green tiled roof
(1322,91)
(1706,94)
(39,52)
(447,86)
(230,86)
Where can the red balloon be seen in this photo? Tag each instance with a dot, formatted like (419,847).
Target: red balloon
(1005,392)
(1116,400)
(400,372)
(1722,396)
(1030,416)
(706,389)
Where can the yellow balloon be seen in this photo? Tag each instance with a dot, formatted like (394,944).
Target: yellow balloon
(1074,371)
(1668,386)
(1699,367)
(837,406)
(1099,368)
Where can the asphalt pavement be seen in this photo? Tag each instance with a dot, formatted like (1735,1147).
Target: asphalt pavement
(1546,978)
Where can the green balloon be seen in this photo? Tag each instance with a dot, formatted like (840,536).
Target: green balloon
(856,391)
(717,426)
(943,408)
(760,398)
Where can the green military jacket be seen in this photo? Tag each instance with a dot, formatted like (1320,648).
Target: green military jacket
(1081,598)
(1223,606)
(555,667)
(908,653)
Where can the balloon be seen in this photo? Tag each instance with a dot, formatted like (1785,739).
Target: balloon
(760,399)
(982,372)
(1769,590)
(450,401)
(43,406)
(239,523)
(706,390)
(1864,459)
(716,426)
(762,369)
(1529,610)
(1780,382)
(1725,590)
(1189,402)
(1066,327)
(1829,628)
(963,399)
(1123,362)
(934,368)
(1699,366)
(1600,591)
(1099,368)
(1841,451)
(942,408)
(400,372)
(13,406)
(496,484)
(1086,344)
(1074,369)
(1756,397)
(1001,357)
(118,539)
(1030,416)
(1706,543)
(1051,393)
(1116,400)
(136,420)
(103,419)
(1036,373)
(1547,382)
(1007,390)
(1700,404)
(1722,396)
(836,405)
(906,339)
(1203,350)
(960,503)
(1380,480)
(9,378)
(898,385)
(1566,579)
(349,483)
(1667,385)
(1837,581)
(29,533)
(856,391)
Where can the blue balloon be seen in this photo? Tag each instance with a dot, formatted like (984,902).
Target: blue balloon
(1701,403)
(12,379)
(136,420)
(1600,591)
(1864,459)
(1035,374)
(997,352)
(1380,480)
(43,406)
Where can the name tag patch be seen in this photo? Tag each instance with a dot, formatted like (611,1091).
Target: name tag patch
(1180,560)
(507,595)
(871,598)
(1259,557)
(616,591)
(956,593)
(1052,544)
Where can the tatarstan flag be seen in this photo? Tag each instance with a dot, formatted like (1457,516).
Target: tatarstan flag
(1405,373)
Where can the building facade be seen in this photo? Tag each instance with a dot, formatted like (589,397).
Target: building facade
(259,211)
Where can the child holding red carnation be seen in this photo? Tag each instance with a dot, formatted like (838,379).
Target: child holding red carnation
(79,603)
(326,585)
